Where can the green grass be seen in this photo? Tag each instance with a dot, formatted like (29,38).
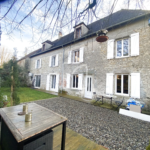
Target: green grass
(106,105)
(27,94)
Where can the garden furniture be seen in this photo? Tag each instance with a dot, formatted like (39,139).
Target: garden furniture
(37,134)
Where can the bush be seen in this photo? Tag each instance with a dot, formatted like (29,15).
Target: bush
(148,147)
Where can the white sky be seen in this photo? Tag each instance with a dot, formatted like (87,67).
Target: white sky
(24,40)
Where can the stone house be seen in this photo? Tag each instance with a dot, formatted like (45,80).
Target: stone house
(80,65)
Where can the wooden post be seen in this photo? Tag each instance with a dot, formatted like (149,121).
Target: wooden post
(12,87)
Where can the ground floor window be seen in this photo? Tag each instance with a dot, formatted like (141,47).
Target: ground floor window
(75,81)
(37,80)
(122,84)
(53,81)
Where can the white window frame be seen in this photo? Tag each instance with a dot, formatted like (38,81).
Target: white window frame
(75,82)
(53,89)
(37,64)
(72,52)
(52,60)
(122,47)
(80,32)
(122,85)
(35,81)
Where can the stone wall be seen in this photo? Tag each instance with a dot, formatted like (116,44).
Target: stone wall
(96,63)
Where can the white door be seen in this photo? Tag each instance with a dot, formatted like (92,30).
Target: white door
(88,87)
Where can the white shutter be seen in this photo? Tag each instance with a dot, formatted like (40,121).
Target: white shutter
(110,49)
(35,64)
(57,82)
(109,83)
(81,54)
(50,61)
(69,57)
(68,80)
(135,85)
(56,64)
(40,63)
(135,44)
(80,82)
(47,82)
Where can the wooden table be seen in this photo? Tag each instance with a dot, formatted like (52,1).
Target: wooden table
(43,119)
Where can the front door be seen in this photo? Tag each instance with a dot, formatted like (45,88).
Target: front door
(88,87)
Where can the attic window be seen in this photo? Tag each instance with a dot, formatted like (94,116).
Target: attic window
(43,47)
(78,32)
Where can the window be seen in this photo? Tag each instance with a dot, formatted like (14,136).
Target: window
(78,32)
(38,63)
(122,47)
(76,57)
(37,80)
(122,84)
(53,83)
(75,81)
(53,61)
(43,47)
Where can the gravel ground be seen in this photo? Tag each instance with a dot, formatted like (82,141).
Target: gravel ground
(104,126)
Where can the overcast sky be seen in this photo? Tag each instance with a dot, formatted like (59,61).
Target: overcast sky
(26,38)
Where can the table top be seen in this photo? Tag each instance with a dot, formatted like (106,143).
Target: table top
(109,96)
(42,119)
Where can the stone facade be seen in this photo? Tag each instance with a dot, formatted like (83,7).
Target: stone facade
(96,64)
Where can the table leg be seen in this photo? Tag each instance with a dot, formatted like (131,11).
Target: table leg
(63,136)
(111,101)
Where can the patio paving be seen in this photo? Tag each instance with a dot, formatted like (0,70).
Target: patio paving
(103,126)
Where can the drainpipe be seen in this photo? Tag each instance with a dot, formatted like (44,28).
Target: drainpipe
(62,70)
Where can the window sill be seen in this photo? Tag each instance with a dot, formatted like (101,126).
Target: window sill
(122,57)
(53,66)
(75,63)
(75,89)
(127,95)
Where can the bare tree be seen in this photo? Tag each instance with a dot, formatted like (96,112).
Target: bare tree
(47,17)
(5,56)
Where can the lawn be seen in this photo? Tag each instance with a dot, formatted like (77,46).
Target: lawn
(27,94)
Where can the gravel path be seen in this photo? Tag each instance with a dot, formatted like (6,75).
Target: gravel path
(104,126)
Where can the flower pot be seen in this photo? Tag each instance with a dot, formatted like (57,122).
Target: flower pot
(102,38)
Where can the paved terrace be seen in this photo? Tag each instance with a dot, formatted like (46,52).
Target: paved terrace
(103,126)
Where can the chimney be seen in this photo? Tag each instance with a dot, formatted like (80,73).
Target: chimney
(59,35)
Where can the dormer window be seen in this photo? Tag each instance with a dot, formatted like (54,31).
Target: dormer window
(78,32)
(43,47)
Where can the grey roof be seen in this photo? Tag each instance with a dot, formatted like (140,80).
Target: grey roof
(48,41)
(117,18)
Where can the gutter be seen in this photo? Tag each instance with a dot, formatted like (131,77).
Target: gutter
(92,34)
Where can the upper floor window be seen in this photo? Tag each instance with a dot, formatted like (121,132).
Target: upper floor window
(53,61)
(75,56)
(38,63)
(122,48)
(78,32)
